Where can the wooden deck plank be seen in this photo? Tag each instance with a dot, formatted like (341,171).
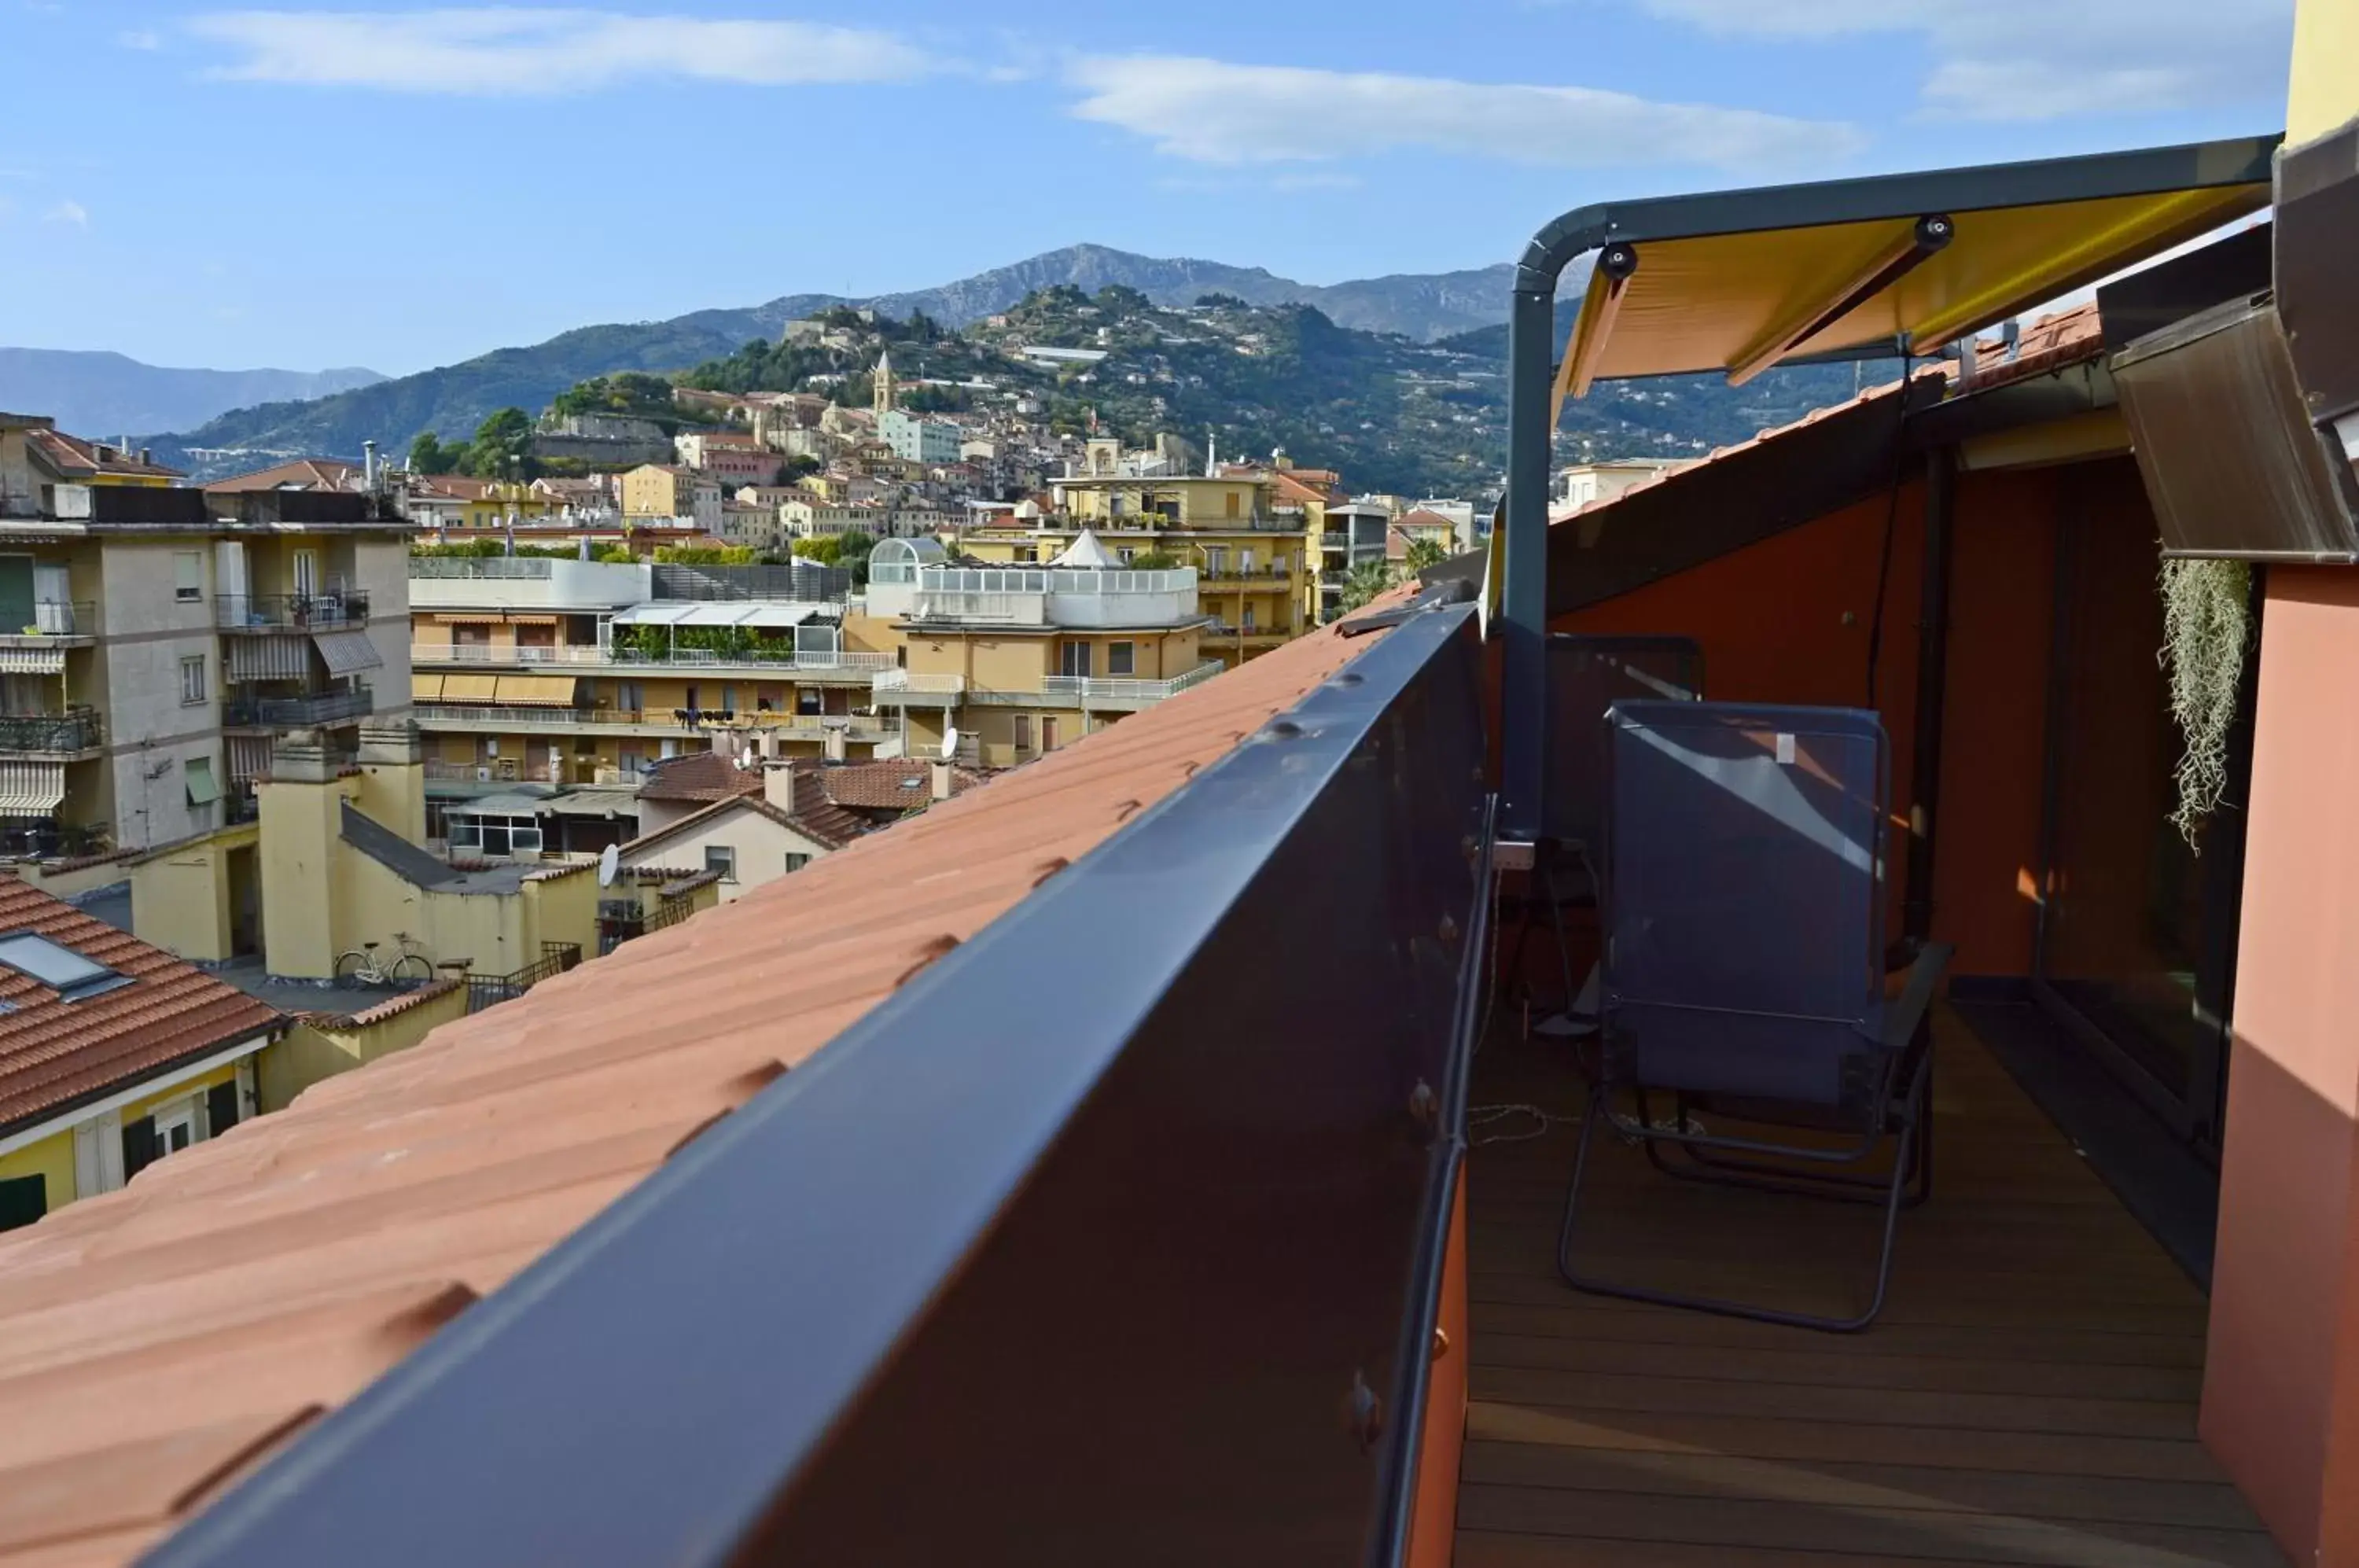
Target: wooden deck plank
(2029,1396)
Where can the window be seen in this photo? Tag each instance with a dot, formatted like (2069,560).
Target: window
(59,967)
(1216,561)
(630,696)
(307,574)
(1022,731)
(723,858)
(192,679)
(1048,735)
(729,699)
(1244,563)
(1121,657)
(1126,552)
(1249,617)
(1075,659)
(188,575)
(496,835)
(1229,502)
(796,862)
(198,773)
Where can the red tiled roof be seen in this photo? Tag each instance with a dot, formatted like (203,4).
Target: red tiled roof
(152,1338)
(56,1053)
(75,458)
(819,820)
(887,786)
(303,474)
(701,776)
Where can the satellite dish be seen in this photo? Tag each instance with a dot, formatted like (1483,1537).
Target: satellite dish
(610,860)
(949,744)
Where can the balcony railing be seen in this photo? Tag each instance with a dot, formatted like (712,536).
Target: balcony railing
(1263,576)
(1112,1204)
(904,680)
(56,619)
(785,661)
(501,566)
(300,612)
(75,729)
(1078,690)
(315,708)
(683,720)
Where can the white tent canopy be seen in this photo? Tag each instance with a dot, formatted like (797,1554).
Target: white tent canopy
(1085,552)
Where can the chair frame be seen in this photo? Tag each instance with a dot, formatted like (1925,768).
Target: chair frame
(1899,1110)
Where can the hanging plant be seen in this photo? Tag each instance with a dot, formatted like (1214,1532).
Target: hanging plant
(2206,627)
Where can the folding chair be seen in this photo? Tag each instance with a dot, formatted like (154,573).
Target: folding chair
(1743,914)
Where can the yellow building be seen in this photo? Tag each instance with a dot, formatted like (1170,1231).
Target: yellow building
(455,503)
(539,671)
(658,490)
(1020,660)
(1255,574)
(118,1054)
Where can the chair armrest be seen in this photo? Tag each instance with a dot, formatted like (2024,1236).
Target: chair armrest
(1901,1020)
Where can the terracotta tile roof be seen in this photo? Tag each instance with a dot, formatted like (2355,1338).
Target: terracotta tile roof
(1419,518)
(821,821)
(886,786)
(56,1053)
(701,776)
(75,458)
(391,1008)
(303,474)
(152,1338)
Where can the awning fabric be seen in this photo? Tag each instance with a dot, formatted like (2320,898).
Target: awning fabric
(425,688)
(547,690)
(31,789)
(347,652)
(268,658)
(32,660)
(249,757)
(203,788)
(528,620)
(513,804)
(716,614)
(470,688)
(468,617)
(1737,280)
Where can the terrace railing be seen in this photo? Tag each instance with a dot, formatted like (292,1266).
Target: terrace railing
(490,990)
(76,729)
(300,612)
(1101,1286)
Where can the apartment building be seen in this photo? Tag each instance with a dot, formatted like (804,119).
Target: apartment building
(1021,660)
(1252,577)
(916,439)
(666,490)
(157,638)
(733,457)
(533,671)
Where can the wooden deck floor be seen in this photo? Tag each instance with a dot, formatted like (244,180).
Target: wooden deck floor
(2028,1396)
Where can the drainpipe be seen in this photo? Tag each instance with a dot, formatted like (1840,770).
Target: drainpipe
(1932,679)
(1522,626)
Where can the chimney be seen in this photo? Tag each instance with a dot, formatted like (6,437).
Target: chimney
(941,781)
(778,785)
(368,465)
(834,745)
(146,457)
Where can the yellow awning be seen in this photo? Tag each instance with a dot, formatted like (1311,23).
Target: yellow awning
(1740,280)
(470,688)
(468,617)
(547,690)
(426,687)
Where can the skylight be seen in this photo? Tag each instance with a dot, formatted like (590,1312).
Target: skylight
(61,968)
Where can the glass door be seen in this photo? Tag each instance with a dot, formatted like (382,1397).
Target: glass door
(2138,932)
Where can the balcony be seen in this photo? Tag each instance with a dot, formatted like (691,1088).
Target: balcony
(291,611)
(1262,577)
(786,664)
(1111,693)
(311,708)
(902,688)
(497,719)
(56,623)
(76,733)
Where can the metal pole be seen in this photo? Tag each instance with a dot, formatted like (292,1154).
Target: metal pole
(1933,676)
(1522,626)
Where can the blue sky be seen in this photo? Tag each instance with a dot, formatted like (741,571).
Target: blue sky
(398,187)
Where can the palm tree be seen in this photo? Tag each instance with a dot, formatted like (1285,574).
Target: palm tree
(1367,580)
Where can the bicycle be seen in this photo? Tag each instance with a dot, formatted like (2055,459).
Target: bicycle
(359,966)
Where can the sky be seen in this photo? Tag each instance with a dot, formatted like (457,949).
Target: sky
(403,187)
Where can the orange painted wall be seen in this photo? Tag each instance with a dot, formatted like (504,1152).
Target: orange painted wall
(1433,1526)
(1787,620)
(2281,1378)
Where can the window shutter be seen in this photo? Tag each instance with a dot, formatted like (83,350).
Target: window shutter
(23,1200)
(221,1108)
(138,1145)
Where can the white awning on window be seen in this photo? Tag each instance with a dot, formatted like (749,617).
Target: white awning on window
(267,658)
(32,660)
(31,789)
(347,652)
(249,757)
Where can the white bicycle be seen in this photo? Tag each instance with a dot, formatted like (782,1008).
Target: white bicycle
(360,966)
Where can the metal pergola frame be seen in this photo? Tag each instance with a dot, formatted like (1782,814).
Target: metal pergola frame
(1622,225)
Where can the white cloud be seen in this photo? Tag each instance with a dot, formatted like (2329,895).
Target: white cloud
(70,212)
(489,50)
(140,40)
(1210,111)
(2039,60)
